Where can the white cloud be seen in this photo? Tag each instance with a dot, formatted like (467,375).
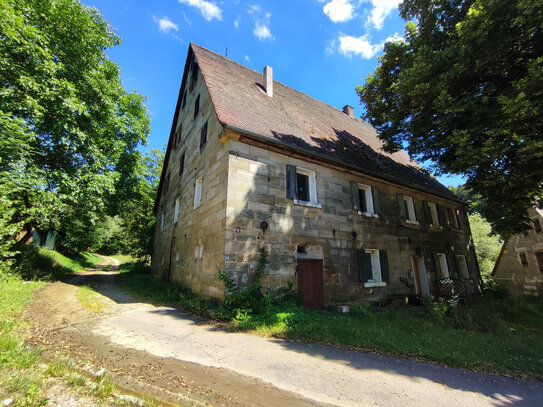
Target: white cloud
(262,31)
(252,9)
(339,10)
(208,9)
(237,21)
(394,38)
(381,9)
(165,24)
(350,46)
(246,57)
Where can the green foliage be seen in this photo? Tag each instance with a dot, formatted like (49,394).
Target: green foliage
(474,200)
(487,246)
(70,131)
(465,91)
(242,301)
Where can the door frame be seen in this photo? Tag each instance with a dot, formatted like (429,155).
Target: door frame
(421,278)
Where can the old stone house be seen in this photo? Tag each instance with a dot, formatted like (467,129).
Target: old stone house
(519,267)
(253,164)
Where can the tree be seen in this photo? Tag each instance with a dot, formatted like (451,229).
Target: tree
(465,90)
(487,246)
(69,130)
(475,204)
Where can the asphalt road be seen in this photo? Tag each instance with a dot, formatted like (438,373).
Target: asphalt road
(322,373)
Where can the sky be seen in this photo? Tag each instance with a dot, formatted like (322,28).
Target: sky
(323,48)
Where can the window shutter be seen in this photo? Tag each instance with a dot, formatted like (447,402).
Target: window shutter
(376,200)
(427,213)
(364,266)
(451,262)
(416,208)
(292,183)
(437,267)
(383,259)
(354,195)
(401,206)
(440,215)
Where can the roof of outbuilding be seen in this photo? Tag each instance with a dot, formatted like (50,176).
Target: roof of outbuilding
(304,123)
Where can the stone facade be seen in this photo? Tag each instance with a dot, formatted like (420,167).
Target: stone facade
(519,267)
(257,193)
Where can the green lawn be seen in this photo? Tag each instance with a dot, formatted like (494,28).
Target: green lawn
(72,263)
(495,335)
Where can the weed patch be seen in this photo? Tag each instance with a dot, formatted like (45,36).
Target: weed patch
(90,299)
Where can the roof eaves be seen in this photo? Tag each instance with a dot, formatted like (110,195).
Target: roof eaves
(324,157)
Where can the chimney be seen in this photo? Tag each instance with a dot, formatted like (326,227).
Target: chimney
(348,110)
(268,80)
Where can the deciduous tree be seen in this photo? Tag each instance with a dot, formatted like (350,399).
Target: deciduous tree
(465,90)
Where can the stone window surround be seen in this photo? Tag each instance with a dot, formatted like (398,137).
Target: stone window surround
(377,280)
(312,189)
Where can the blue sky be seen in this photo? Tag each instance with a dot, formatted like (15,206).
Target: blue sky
(323,48)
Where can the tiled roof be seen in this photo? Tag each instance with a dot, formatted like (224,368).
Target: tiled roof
(305,123)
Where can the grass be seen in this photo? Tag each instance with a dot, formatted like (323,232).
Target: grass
(498,335)
(73,263)
(90,299)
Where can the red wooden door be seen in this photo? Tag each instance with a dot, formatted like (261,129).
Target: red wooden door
(310,282)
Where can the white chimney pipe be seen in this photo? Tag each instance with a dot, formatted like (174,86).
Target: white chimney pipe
(268,80)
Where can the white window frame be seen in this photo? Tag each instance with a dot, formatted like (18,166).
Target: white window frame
(161,222)
(176,210)
(370,210)
(377,278)
(312,183)
(463,266)
(198,193)
(442,258)
(433,213)
(411,216)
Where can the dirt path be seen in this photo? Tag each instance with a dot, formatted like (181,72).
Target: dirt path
(162,351)
(64,328)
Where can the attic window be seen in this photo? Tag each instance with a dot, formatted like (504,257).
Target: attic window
(197,106)
(203,136)
(194,75)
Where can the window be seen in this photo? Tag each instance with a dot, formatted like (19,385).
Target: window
(453,215)
(176,210)
(174,140)
(178,138)
(197,106)
(407,208)
(365,199)
(523,259)
(463,266)
(539,258)
(373,267)
(194,75)
(161,222)
(203,136)
(182,164)
(301,186)
(537,226)
(198,193)
(440,265)
(431,214)
(166,183)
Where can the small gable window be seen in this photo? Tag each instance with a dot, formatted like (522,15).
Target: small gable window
(203,136)
(182,164)
(197,106)
(365,199)
(373,267)
(302,186)
(523,259)
(537,226)
(198,193)
(407,208)
(176,210)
